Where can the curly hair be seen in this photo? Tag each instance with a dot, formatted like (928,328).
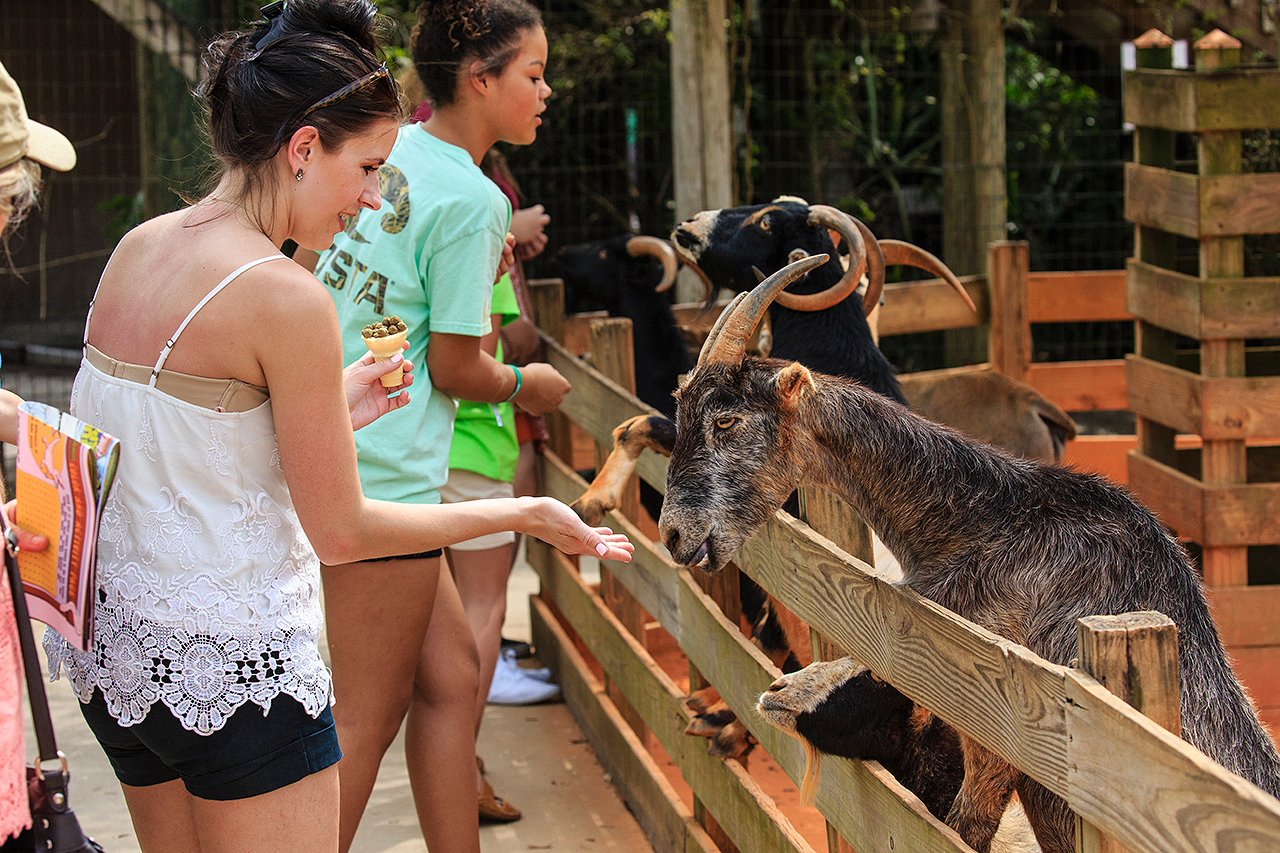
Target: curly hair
(450,33)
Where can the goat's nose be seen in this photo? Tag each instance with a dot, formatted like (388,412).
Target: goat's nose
(670,538)
(776,686)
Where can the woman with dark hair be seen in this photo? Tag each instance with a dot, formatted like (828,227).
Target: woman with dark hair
(433,264)
(204,683)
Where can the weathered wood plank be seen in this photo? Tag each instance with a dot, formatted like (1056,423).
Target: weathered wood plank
(1010,694)
(1135,656)
(1082,386)
(744,812)
(1170,494)
(1240,99)
(595,402)
(1162,198)
(1164,394)
(1258,668)
(1160,98)
(666,821)
(1217,408)
(1107,455)
(1233,205)
(1242,515)
(1156,793)
(1009,344)
(1246,616)
(928,306)
(1071,297)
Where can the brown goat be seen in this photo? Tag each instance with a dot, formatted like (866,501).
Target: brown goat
(1021,548)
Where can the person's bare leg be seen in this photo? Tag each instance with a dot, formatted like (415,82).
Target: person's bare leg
(481,579)
(301,817)
(440,739)
(298,818)
(163,817)
(376,617)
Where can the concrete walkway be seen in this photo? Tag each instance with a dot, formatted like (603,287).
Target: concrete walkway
(536,757)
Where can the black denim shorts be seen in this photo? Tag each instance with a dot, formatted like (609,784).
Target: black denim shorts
(252,754)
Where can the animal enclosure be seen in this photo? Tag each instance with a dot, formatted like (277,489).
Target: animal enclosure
(628,651)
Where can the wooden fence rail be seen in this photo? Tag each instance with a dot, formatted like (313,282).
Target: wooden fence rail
(1122,773)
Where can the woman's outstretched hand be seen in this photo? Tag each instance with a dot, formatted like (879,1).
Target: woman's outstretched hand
(559,526)
(366,398)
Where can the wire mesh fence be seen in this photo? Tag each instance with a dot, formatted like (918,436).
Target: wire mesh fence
(835,102)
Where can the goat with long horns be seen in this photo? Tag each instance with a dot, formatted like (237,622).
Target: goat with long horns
(1021,548)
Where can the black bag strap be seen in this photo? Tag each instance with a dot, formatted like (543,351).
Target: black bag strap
(40,719)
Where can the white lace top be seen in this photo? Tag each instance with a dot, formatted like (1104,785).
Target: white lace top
(208,591)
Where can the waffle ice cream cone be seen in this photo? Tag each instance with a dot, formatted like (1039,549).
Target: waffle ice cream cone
(384,340)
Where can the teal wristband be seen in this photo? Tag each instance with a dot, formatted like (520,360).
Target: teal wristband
(519,382)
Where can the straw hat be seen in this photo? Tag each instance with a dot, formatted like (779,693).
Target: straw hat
(21,137)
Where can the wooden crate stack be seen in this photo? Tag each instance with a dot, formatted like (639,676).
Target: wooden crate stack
(1223,494)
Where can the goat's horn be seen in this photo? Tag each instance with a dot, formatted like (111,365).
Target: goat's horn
(709,289)
(842,224)
(898,252)
(714,334)
(727,342)
(661,250)
(755,270)
(875,268)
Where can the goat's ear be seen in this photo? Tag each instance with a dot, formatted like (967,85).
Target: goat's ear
(794,382)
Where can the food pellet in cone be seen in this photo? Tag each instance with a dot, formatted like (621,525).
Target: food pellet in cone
(384,342)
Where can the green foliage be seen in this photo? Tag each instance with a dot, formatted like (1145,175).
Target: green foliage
(124,212)
(888,120)
(1052,124)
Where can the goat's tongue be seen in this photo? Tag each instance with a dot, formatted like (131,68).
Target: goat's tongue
(699,557)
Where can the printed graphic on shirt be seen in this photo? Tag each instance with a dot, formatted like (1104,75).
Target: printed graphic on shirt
(394,188)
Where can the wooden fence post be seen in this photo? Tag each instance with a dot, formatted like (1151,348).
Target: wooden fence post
(547,297)
(1008,272)
(1222,460)
(826,513)
(1135,656)
(611,354)
(1153,147)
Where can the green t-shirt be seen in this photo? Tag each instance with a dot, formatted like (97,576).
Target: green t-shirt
(428,255)
(480,443)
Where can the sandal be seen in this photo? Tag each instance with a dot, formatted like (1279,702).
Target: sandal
(494,809)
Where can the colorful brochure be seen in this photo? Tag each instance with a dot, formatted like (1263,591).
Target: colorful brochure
(65,470)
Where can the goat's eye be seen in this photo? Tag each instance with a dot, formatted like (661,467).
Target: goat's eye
(726,422)
(764,223)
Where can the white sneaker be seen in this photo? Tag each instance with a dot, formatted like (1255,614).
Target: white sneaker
(514,685)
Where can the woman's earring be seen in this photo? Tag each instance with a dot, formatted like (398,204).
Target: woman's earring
(298,176)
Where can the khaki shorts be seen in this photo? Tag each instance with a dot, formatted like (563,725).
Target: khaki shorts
(466,485)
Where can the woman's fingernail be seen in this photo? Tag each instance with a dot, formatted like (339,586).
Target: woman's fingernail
(602,549)
(397,358)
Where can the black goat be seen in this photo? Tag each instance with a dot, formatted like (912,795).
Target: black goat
(628,276)
(840,708)
(813,322)
(1021,548)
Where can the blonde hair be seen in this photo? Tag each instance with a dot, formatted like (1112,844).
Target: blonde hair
(19,188)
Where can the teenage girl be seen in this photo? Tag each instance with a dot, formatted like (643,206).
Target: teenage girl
(432,259)
(204,683)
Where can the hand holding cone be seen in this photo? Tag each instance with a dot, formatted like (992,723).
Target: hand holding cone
(384,339)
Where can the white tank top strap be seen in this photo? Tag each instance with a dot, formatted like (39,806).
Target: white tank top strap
(168,347)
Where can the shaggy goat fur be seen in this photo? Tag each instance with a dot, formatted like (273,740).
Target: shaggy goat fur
(1021,548)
